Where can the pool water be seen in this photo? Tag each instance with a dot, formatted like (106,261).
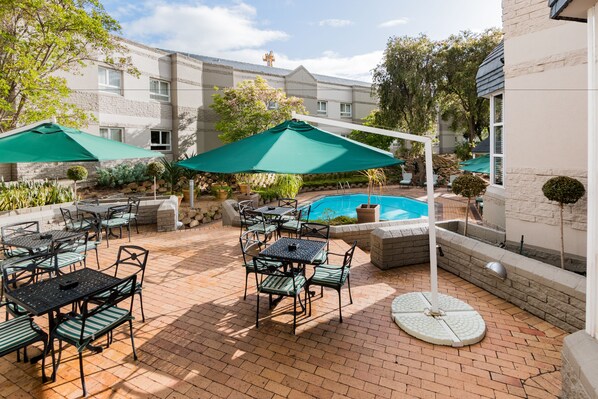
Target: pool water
(391,208)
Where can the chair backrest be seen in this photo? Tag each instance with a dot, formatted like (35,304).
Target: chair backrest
(407,176)
(72,243)
(134,203)
(20,271)
(134,257)
(19,229)
(118,292)
(315,231)
(247,204)
(305,212)
(250,245)
(250,215)
(117,210)
(435,178)
(287,203)
(67,216)
(348,258)
(265,267)
(89,201)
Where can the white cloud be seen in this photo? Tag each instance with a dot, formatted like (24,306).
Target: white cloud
(335,23)
(393,22)
(201,29)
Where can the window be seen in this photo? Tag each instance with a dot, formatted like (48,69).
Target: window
(112,133)
(323,107)
(345,109)
(497,137)
(160,140)
(159,90)
(110,80)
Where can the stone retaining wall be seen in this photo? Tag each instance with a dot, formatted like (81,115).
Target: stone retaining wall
(400,246)
(168,214)
(553,294)
(362,232)
(579,357)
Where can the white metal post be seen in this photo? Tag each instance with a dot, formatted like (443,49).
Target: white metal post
(592,234)
(429,186)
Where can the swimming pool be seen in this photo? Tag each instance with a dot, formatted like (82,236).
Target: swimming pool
(391,208)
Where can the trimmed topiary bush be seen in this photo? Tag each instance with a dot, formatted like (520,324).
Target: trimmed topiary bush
(564,190)
(155,170)
(76,173)
(469,186)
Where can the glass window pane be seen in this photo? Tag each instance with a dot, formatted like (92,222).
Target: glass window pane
(498,103)
(498,139)
(114,78)
(153,86)
(164,88)
(155,137)
(104,133)
(102,75)
(165,137)
(498,166)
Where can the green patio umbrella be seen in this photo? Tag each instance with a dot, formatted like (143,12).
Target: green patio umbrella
(50,142)
(477,165)
(291,147)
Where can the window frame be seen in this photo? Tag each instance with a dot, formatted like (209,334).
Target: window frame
(169,145)
(325,111)
(106,87)
(346,114)
(493,125)
(111,130)
(165,98)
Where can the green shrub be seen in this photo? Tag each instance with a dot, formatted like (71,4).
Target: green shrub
(32,194)
(337,221)
(77,173)
(122,174)
(155,169)
(287,185)
(334,182)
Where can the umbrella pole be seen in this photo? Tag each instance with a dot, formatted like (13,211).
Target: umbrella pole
(431,229)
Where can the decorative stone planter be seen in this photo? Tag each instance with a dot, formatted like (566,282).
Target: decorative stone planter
(368,213)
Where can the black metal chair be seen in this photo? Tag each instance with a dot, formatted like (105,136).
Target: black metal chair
(14,230)
(261,224)
(66,252)
(242,207)
(293,224)
(115,220)
(332,276)
(131,258)
(99,316)
(83,224)
(281,281)
(251,247)
(317,231)
(133,213)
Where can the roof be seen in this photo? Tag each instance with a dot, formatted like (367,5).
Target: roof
(264,69)
(570,10)
(491,76)
(483,147)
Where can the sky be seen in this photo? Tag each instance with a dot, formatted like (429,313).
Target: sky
(330,37)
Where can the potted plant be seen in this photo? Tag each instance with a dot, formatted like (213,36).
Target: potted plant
(368,213)
(243,183)
(76,173)
(221,190)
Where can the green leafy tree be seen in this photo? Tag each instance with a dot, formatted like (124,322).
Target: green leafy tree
(405,82)
(155,170)
(39,39)
(458,60)
(374,119)
(76,173)
(252,107)
(564,190)
(469,186)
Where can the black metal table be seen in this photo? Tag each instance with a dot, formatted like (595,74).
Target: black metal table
(36,241)
(96,210)
(305,253)
(274,210)
(46,297)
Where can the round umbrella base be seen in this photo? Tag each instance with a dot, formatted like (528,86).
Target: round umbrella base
(455,324)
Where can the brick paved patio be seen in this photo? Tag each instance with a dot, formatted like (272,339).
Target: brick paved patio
(200,340)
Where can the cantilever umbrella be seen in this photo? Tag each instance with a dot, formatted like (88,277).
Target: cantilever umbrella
(477,165)
(291,147)
(51,142)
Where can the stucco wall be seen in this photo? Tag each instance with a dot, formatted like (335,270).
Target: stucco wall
(545,122)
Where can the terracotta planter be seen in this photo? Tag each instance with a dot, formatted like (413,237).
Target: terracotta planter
(368,214)
(245,188)
(222,194)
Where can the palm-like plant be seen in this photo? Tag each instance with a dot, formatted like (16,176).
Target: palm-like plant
(375,177)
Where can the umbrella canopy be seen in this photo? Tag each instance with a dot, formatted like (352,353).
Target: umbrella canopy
(477,165)
(50,142)
(291,147)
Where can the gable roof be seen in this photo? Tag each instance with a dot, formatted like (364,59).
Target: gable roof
(490,76)
(268,70)
(483,147)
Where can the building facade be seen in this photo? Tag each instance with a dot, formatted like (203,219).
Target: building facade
(167,107)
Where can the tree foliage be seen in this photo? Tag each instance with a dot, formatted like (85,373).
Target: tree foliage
(77,173)
(458,60)
(469,186)
(405,82)
(39,39)
(252,107)
(374,119)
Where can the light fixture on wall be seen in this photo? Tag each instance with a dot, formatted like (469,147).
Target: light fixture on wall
(496,269)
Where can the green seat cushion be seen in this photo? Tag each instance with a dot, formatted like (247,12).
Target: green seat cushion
(15,333)
(64,259)
(405,182)
(15,309)
(321,257)
(77,225)
(260,228)
(251,267)
(115,222)
(91,245)
(293,225)
(125,287)
(13,252)
(95,326)
(282,285)
(127,216)
(329,276)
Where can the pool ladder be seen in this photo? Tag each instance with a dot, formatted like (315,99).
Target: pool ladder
(340,186)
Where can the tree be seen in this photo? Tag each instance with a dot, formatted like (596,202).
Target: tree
(252,107)
(374,119)
(38,40)
(564,190)
(405,82)
(469,186)
(76,173)
(155,170)
(458,60)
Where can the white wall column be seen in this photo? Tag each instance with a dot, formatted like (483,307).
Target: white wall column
(592,192)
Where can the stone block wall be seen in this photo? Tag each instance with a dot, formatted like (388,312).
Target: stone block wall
(521,16)
(579,357)
(526,202)
(167,216)
(400,246)
(362,232)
